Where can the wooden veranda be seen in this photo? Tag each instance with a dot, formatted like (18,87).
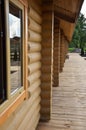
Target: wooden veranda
(46,29)
(69,100)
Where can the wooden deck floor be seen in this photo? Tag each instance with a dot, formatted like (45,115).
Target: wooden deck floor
(69,99)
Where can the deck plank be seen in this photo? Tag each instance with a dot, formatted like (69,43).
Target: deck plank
(69,99)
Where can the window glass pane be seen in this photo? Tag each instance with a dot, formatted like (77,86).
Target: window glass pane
(15,27)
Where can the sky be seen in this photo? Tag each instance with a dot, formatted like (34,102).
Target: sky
(83,9)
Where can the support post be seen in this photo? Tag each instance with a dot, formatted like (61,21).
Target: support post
(56,53)
(47,54)
(62,52)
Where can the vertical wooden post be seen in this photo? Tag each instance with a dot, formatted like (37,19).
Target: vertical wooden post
(61,51)
(47,54)
(56,53)
(67,44)
(64,48)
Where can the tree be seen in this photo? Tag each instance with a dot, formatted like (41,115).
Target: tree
(79,36)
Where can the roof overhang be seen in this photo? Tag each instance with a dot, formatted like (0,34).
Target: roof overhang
(67,11)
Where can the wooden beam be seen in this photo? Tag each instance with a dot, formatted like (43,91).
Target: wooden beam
(65,17)
(65,14)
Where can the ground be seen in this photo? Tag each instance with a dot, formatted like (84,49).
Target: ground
(69,99)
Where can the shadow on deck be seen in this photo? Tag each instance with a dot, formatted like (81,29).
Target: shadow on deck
(69,99)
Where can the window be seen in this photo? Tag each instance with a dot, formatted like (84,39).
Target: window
(16,45)
(11,50)
(13,28)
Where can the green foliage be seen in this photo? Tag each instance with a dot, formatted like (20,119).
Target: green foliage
(71,50)
(79,36)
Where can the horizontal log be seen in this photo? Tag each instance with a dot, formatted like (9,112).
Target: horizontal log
(47,52)
(46,43)
(57,28)
(46,86)
(34,95)
(47,25)
(36,6)
(21,112)
(55,77)
(34,67)
(56,62)
(56,49)
(55,72)
(32,125)
(57,31)
(34,57)
(46,77)
(45,103)
(36,122)
(34,86)
(56,41)
(47,34)
(29,115)
(34,47)
(47,6)
(56,58)
(45,110)
(46,69)
(56,54)
(56,85)
(35,16)
(47,61)
(45,117)
(34,37)
(46,95)
(55,66)
(55,81)
(48,16)
(33,25)
(39,2)
(33,77)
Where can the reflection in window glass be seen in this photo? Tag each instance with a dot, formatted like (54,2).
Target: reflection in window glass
(15,47)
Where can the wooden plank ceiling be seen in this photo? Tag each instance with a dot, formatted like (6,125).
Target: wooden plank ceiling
(67,12)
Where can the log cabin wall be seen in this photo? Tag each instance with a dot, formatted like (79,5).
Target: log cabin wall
(27,115)
(34,53)
(56,53)
(47,62)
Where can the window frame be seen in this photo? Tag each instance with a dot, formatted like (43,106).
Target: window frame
(2,61)
(19,5)
(14,100)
